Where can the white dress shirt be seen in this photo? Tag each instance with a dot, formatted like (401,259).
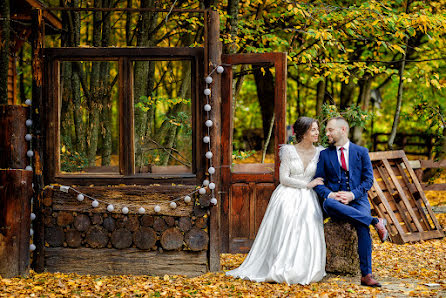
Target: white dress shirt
(346,152)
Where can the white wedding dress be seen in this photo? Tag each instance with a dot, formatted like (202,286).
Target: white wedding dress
(290,244)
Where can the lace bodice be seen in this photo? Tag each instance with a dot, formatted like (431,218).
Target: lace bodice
(292,171)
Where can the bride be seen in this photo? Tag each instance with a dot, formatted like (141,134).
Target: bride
(290,244)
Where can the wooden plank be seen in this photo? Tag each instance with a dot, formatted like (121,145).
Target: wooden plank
(15,209)
(226,152)
(402,195)
(432,164)
(252,205)
(390,189)
(419,209)
(215,50)
(131,196)
(423,197)
(263,195)
(386,155)
(434,187)
(125,261)
(109,54)
(239,211)
(13,146)
(389,210)
(280,64)
(38,116)
(246,178)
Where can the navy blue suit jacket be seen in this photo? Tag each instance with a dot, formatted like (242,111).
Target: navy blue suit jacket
(360,173)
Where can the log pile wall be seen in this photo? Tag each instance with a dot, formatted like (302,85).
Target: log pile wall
(75,233)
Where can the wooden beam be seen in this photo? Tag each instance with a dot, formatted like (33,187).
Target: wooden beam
(215,49)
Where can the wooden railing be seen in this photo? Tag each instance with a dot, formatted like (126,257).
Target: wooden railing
(420,165)
(412,144)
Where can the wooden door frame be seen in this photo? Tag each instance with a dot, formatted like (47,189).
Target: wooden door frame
(280,64)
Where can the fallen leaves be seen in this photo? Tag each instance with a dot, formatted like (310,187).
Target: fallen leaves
(412,269)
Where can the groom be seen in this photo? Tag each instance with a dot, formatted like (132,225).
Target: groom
(348,175)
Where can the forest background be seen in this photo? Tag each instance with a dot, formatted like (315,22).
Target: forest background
(379,63)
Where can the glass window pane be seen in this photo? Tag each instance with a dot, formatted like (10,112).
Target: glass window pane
(89,117)
(253,124)
(163,116)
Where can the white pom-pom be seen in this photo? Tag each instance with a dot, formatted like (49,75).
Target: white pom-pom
(220,69)
(214,201)
(125,210)
(141,210)
(207,91)
(28,102)
(207,107)
(33,216)
(208,80)
(205,182)
(28,168)
(32,247)
(110,208)
(206,139)
(211,170)
(212,185)
(80,197)
(202,191)
(29,122)
(95,204)
(30,153)
(187,199)
(28,137)
(173,205)
(208,123)
(209,155)
(31,232)
(157,208)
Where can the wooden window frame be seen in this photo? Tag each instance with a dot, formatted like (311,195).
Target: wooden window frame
(125,57)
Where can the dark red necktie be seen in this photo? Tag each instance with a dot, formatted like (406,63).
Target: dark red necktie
(343,164)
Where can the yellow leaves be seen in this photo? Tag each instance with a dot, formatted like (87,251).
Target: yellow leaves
(398,48)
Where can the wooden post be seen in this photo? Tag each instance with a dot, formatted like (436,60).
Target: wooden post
(37,40)
(214,50)
(13,146)
(15,203)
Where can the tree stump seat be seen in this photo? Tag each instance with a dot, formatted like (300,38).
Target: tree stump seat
(342,248)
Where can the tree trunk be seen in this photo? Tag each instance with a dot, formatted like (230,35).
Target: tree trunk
(142,76)
(364,102)
(15,210)
(95,99)
(97,237)
(342,247)
(171,239)
(399,100)
(121,238)
(197,239)
(320,95)
(107,100)
(21,77)
(232,25)
(347,94)
(144,238)
(265,94)
(4,49)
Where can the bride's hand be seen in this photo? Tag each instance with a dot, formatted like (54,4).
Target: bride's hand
(315,182)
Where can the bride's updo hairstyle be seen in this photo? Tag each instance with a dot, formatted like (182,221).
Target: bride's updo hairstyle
(301,126)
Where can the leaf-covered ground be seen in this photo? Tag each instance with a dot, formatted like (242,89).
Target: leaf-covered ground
(417,269)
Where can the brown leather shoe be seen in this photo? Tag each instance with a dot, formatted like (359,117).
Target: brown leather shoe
(381,229)
(369,281)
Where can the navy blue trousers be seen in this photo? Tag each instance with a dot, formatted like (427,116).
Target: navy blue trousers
(361,219)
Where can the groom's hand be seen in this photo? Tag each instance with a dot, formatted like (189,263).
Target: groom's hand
(344,197)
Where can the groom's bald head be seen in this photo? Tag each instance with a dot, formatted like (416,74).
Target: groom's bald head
(340,122)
